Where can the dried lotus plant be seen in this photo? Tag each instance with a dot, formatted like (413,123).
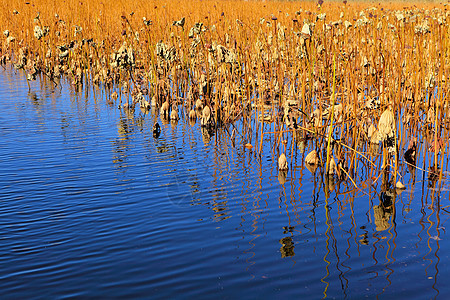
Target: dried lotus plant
(279,71)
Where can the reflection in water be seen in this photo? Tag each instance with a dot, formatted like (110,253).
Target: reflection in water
(156,130)
(165,120)
(34,98)
(282,177)
(125,128)
(341,243)
(344,238)
(220,209)
(383,212)
(206,135)
(287,247)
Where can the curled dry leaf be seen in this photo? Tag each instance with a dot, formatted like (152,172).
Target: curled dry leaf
(332,168)
(312,158)
(400,185)
(164,111)
(192,114)
(282,162)
(386,125)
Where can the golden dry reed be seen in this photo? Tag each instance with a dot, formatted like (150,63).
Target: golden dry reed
(333,72)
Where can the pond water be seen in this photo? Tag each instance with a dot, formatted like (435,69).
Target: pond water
(92,205)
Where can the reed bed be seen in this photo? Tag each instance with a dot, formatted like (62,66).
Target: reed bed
(362,83)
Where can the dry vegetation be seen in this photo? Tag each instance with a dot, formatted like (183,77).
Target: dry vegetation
(351,77)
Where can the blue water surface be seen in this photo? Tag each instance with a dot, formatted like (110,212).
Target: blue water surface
(93,205)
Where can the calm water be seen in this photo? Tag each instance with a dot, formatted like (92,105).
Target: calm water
(92,205)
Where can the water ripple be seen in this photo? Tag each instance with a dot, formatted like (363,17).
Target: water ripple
(92,205)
